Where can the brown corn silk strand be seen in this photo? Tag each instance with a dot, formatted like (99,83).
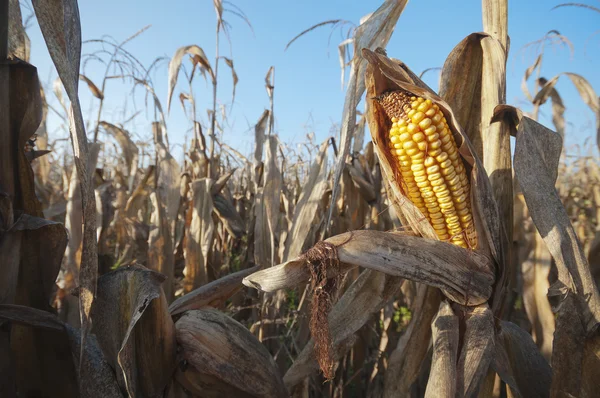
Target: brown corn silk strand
(321,259)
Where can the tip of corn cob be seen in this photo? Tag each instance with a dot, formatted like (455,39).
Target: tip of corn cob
(431,169)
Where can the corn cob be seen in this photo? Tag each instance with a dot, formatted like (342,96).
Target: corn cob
(432,172)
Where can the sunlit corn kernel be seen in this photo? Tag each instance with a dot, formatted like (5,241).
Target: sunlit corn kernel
(418,137)
(418,117)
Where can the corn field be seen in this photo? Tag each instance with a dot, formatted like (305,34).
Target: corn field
(438,244)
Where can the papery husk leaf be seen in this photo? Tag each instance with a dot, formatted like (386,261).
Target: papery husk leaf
(405,361)
(463,275)
(367,294)
(385,74)
(477,350)
(130,305)
(213,294)
(222,358)
(442,377)
(102,381)
(531,371)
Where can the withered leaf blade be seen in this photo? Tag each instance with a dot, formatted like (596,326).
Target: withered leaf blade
(537,153)
(442,378)
(477,350)
(224,359)
(308,204)
(372,33)
(199,236)
(367,294)
(131,303)
(463,275)
(229,216)
(531,371)
(60,25)
(19,45)
(175,64)
(102,381)
(130,150)
(408,356)
(213,294)
(160,245)
(93,88)
(234,76)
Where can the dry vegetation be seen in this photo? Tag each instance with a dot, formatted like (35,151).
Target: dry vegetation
(124,272)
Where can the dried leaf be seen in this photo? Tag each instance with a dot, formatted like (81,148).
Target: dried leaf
(308,204)
(93,88)
(199,236)
(531,371)
(175,64)
(442,377)
(61,28)
(234,76)
(213,294)
(406,359)
(367,294)
(372,33)
(19,45)
(477,351)
(537,152)
(464,275)
(223,359)
(130,150)
(102,381)
(528,73)
(160,245)
(131,303)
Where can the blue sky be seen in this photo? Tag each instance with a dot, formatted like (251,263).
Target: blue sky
(308,95)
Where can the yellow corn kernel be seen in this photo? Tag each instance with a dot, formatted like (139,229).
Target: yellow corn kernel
(432,172)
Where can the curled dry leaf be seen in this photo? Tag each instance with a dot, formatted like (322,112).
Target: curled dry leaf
(531,371)
(464,276)
(234,76)
(213,294)
(93,88)
(175,63)
(131,303)
(220,358)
